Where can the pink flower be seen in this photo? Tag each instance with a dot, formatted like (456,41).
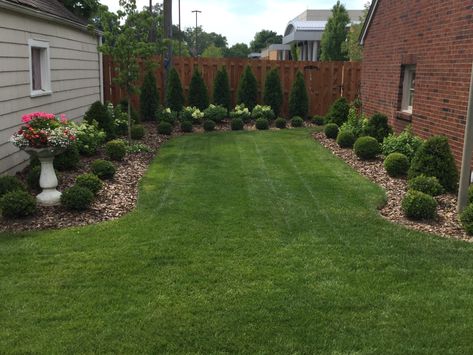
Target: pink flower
(26,118)
(63,118)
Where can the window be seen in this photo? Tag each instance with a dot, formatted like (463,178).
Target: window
(40,76)
(408,88)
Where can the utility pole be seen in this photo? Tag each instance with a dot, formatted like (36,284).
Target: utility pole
(167,10)
(196,13)
(180,33)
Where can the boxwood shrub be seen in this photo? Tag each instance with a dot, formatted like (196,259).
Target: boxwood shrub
(262,124)
(331,130)
(89,181)
(165,128)
(17,204)
(237,124)
(367,148)
(104,169)
(396,164)
(429,185)
(209,125)
(345,139)
(318,120)
(280,123)
(9,184)
(297,121)
(137,132)
(466,219)
(116,149)
(418,205)
(77,198)
(186,126)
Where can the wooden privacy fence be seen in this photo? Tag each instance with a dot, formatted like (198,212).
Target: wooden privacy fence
(325,81)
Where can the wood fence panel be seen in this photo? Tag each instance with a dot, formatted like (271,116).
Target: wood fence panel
(325,81)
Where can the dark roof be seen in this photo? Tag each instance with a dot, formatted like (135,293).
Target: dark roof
(52,7)
(367,23)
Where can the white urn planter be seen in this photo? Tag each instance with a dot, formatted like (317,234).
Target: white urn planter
(50,196)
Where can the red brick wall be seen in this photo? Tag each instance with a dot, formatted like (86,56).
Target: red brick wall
(436,36)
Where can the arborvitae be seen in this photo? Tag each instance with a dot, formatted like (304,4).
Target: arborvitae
(273,91)
(98,112)
(248,89)
(198,92)
(174,95)
(149,100)
(221,95)
(298,100)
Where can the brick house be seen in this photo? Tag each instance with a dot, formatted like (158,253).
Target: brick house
(417,62)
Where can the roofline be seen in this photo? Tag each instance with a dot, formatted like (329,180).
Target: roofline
(367,23)
(45,16)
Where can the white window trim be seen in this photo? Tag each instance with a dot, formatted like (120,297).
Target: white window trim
(408,70)
(45,68)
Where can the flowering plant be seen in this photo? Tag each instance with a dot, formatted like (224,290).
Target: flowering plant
(261,111)
(241,111)
(42,130)
(215,113)
(192,114)
(167,115)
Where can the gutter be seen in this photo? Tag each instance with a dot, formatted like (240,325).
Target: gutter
(367,23)
(45,16)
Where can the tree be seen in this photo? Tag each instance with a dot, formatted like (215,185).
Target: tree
(263,39)
(204,39)
(174,93)
(248,89)
(298,100)
(221,94)
(127,42)
(273,91)
(238,50)
(352,45)
(198,96)
(335,34)
(149,99)
(212,52)
(83,8)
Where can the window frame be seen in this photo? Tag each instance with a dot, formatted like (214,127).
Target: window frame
(407,90)
(45,67)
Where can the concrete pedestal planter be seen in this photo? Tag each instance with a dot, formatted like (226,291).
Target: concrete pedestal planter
(50,196)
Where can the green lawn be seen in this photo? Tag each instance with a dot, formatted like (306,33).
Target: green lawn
(258,242)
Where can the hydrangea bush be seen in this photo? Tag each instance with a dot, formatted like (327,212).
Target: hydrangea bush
(242,112)
(43,130)
(262,111)
(192,114)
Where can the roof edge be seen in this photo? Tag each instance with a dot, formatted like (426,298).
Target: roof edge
(367,23)
(46,16)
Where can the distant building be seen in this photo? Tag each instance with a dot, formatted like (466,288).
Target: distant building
(276,52)
(305,31)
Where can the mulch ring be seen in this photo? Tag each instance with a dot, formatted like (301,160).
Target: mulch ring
(117,197)
(446,224)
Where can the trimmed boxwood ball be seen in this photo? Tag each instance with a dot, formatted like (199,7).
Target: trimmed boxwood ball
(9,184)
(116,149)
(68,160)
(297,121)
(237,124)
(186,126)
(17,204)
(77,198)
(331,130)
(434,158)
(318,120)
(345,139)
(165,128)
(396,164)
(209,125)
(89,181)
(137,132)
(429,185)
(466,219)
(280,123)
(418,205)
(262,124)
(104,169)
(367,148)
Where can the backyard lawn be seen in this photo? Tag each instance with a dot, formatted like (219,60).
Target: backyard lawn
(242,242)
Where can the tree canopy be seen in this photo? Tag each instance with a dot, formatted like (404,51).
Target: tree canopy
(86,9)
(239,50)
(335,34)
(263,39)
(352,45)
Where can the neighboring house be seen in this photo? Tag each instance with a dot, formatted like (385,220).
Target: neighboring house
(48,62)
(417,59)
(305,31)
(276,52)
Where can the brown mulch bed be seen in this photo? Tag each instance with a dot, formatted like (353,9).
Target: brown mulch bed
(446,224)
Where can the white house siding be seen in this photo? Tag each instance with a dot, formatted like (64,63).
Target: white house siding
(75,76)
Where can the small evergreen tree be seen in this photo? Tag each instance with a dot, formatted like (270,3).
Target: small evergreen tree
(273,91)
(248,89)
(333,40)
(98,112)
(198,92)
(149,100)
(221,95)
(298,100)
(174,95)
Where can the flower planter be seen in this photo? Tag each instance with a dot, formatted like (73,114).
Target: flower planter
(50,196)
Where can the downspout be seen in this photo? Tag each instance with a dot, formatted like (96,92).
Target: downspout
(101,70)
(467,153)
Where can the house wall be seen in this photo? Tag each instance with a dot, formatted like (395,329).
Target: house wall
(75,79)
(436,36)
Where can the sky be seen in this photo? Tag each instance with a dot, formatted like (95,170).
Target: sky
(239,20)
